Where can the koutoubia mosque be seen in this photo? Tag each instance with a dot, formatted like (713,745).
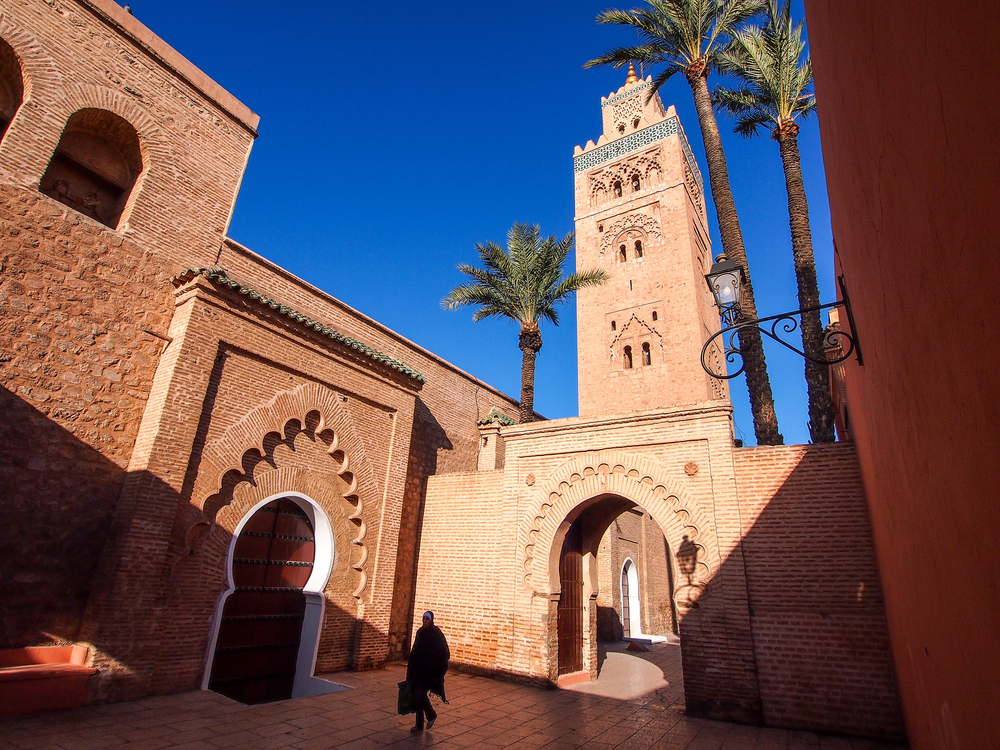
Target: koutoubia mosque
(216,476)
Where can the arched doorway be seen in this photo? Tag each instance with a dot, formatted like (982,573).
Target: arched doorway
(588,576)
(267,628)
(631,615)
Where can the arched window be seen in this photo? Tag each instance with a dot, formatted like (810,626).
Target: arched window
(647,358)
(635,124)
(621,127)
(627,357)
(636,183)
(638,248)
(614,326)
(11,86)
(95,165)
(617,187)
(654,316)
(621,253)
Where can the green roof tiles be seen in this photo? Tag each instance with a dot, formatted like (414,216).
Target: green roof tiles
(495,416)
(219,277)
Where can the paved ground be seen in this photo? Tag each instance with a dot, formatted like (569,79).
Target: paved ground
(483,713)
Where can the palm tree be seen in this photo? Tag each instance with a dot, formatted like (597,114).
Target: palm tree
(523,283)
(776,76)
(686,36)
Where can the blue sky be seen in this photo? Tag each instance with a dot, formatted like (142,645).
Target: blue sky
(393,137)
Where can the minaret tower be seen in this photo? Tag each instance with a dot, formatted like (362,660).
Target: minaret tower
(640,215)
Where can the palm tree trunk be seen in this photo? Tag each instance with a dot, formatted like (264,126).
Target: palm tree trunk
(765,421)
(821,420)
(530,343)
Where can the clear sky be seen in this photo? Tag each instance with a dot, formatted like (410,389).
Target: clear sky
(395,136)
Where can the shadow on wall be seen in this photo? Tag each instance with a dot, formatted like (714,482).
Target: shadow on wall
(816,613)
(58,501)
(63,552)
(427,438)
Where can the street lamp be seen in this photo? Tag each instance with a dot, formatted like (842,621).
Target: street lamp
(726,282)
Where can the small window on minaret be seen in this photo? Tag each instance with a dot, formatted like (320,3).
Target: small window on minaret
(614,326)
(621,128)
(635,124)
(636,183)
(621,253)
(638,248)
(600,227)
(654,316)
(627,355)
(646,356)
(618,188)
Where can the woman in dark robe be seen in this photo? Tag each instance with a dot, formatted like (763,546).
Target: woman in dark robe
(426,668)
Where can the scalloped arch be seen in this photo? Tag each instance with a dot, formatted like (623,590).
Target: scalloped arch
(641,480)
(249,434)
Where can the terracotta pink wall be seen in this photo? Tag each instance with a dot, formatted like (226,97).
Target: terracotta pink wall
(910,120)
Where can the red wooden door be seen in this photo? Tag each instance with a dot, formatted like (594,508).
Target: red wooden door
(570,610)
(261,626)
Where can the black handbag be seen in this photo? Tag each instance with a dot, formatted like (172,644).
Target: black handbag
(404,702)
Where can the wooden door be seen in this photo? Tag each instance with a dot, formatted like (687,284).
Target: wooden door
(626,620)
(261,627)
(570,611)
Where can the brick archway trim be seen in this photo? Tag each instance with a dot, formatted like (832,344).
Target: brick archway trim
(225,458)
(37,68)
(156,153)
(583,478)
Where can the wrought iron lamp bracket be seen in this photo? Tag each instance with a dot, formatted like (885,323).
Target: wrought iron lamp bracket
(777,326)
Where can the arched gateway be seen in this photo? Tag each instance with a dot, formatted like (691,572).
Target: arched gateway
(563,530)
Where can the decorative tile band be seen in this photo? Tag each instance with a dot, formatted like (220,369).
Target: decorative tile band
(626,95)
(626,145)
(690,157)
(635,141)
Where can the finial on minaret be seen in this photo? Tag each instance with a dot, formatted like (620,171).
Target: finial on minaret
(631,75)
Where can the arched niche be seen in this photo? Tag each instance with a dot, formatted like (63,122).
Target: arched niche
(11,86)
(95,166)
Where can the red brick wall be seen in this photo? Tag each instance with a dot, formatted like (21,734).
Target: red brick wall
(817,613)
(75,369)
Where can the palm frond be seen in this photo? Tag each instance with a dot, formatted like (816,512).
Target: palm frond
(774,68)
(524,282)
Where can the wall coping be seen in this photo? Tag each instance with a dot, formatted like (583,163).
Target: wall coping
(129,26)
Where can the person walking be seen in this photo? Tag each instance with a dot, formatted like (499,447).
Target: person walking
(425,670)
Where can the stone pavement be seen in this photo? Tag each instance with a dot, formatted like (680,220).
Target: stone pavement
(483,713)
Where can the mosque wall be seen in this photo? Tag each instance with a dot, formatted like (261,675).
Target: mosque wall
(117,385)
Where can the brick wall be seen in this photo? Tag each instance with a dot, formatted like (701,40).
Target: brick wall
(462,564)
(818,617)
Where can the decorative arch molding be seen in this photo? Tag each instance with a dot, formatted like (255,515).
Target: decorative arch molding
(641,480)
(37,68)
(635,222)
(233,461)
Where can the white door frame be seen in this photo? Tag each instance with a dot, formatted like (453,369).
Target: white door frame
(312,623)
